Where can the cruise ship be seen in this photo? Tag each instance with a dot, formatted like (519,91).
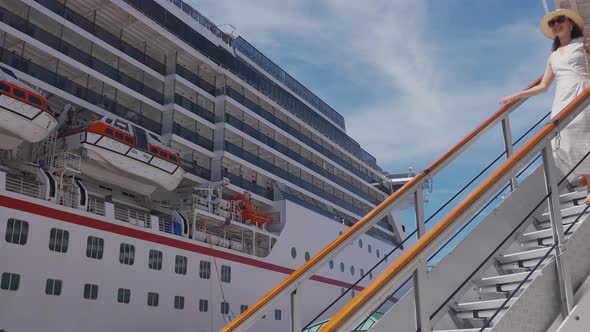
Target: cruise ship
(160,174)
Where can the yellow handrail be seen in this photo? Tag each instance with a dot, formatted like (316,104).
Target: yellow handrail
(416,250)
(405,190)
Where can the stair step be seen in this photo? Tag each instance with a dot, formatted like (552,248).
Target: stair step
(523,255)
(487,329)
(544,238)
(503,283)
(484,305)
(573,211)
(571,196)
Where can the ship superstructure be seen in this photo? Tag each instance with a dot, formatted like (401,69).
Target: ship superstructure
(188,175)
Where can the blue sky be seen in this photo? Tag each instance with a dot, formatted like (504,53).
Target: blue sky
(411,78)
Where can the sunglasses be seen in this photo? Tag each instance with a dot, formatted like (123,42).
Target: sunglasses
(558,19)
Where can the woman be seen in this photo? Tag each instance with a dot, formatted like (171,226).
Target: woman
(569,65)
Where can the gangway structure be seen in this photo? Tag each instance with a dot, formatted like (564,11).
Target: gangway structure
(523,267)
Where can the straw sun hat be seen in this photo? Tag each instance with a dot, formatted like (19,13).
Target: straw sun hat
(572,15)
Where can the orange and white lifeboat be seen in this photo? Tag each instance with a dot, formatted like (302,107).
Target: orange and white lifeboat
(24,116)
(117,152)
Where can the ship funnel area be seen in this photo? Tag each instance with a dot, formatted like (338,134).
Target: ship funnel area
(506,252)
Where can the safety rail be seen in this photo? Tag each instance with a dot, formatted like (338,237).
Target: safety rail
(414,187)
(413,260)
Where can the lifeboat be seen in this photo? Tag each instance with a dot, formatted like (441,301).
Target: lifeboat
(117,152)
(250,214)
(24,115)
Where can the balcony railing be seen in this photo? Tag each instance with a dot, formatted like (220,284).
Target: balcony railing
(191,136)
(90,27)
(203,21)
(62,83)
(84,58)
(194,108)
(248,185)
(296,156)
(195,79)
(255,160)
(235,95)
(195,169)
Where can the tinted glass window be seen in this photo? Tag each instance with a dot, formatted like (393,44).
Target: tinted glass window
(119,135)
(19,93)
(109,131)
(4,87)
(35,100)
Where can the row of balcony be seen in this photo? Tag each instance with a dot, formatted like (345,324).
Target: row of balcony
(235,95)
(195,169)
(195,79)
(194,108)
(191,136)
(84,58)
(256,160)
(248,185)
(296,156)
(62,83)
(90,27)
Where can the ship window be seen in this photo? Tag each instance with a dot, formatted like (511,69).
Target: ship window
(204,270)
(128,139)
(155,261)
(152,299)
(293,252)
(173,158)
(180,264)
(371,275)
(306,256)
(121,125)
(153,150)
(53,287)
(119,135)
(331,264)
(203,305)
(58,240)
(362,272)
(369,248)
(17,231)
(179,302)
(278,314)
(243,308)
(109,131)
(224,308)
(35,100)
(360,243)
(341,267)
(10,281)
(352,270)
(4,87)
(163,154)
(123,295)
(90,291)
(225,273)
(126,254)
(19,93)
(94,247)
(108,120)
(378,253)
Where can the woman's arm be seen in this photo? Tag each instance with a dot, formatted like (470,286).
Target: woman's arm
(587,44)
(546,81)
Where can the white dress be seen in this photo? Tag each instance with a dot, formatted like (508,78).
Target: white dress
(570,66)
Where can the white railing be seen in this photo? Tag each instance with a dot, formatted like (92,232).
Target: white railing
(96,206)
(19,185)
(67,160)
(132,216)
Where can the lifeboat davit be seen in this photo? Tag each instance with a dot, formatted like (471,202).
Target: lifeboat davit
(117,152)
(24,115)
(250,214)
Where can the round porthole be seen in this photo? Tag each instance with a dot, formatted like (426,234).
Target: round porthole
(293,252)
(378,253)
(369,248)
(331,264)
(341,267)
(306,256)
(360,243)
(352,270)
(362,272)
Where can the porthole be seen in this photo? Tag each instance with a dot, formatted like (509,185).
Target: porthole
(362,272)
(352,270)
(361,243)
(369,248)
(293,252)
(306,256)
(378,253)
(341,267)
(331,264)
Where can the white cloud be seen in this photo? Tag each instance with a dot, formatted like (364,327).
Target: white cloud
(429,92)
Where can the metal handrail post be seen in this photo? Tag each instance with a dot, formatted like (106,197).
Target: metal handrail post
(507,132)
(420,274)
(563,273)
(296,325)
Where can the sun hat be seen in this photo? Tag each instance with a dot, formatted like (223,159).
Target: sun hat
(572,15)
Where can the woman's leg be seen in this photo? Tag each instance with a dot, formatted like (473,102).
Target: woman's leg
(586,179)
(582,182)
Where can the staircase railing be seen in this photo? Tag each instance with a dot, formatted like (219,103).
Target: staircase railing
(413,188)
(412,261)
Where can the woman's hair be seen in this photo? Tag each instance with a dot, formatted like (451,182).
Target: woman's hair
(576,33)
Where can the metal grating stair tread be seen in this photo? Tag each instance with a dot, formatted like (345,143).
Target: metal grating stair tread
(567,212)
(488,329)
(523,255)
(484,305)
(505,279)
(545,233)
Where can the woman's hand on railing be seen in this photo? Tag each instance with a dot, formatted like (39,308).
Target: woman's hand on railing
(509,99)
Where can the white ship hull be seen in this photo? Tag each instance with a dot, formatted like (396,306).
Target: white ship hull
(30,309)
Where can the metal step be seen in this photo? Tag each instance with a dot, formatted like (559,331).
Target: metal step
(544,238)
(523,256)
(572,196)
(566,213)
(483,305)
(487,329)
(503,283)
